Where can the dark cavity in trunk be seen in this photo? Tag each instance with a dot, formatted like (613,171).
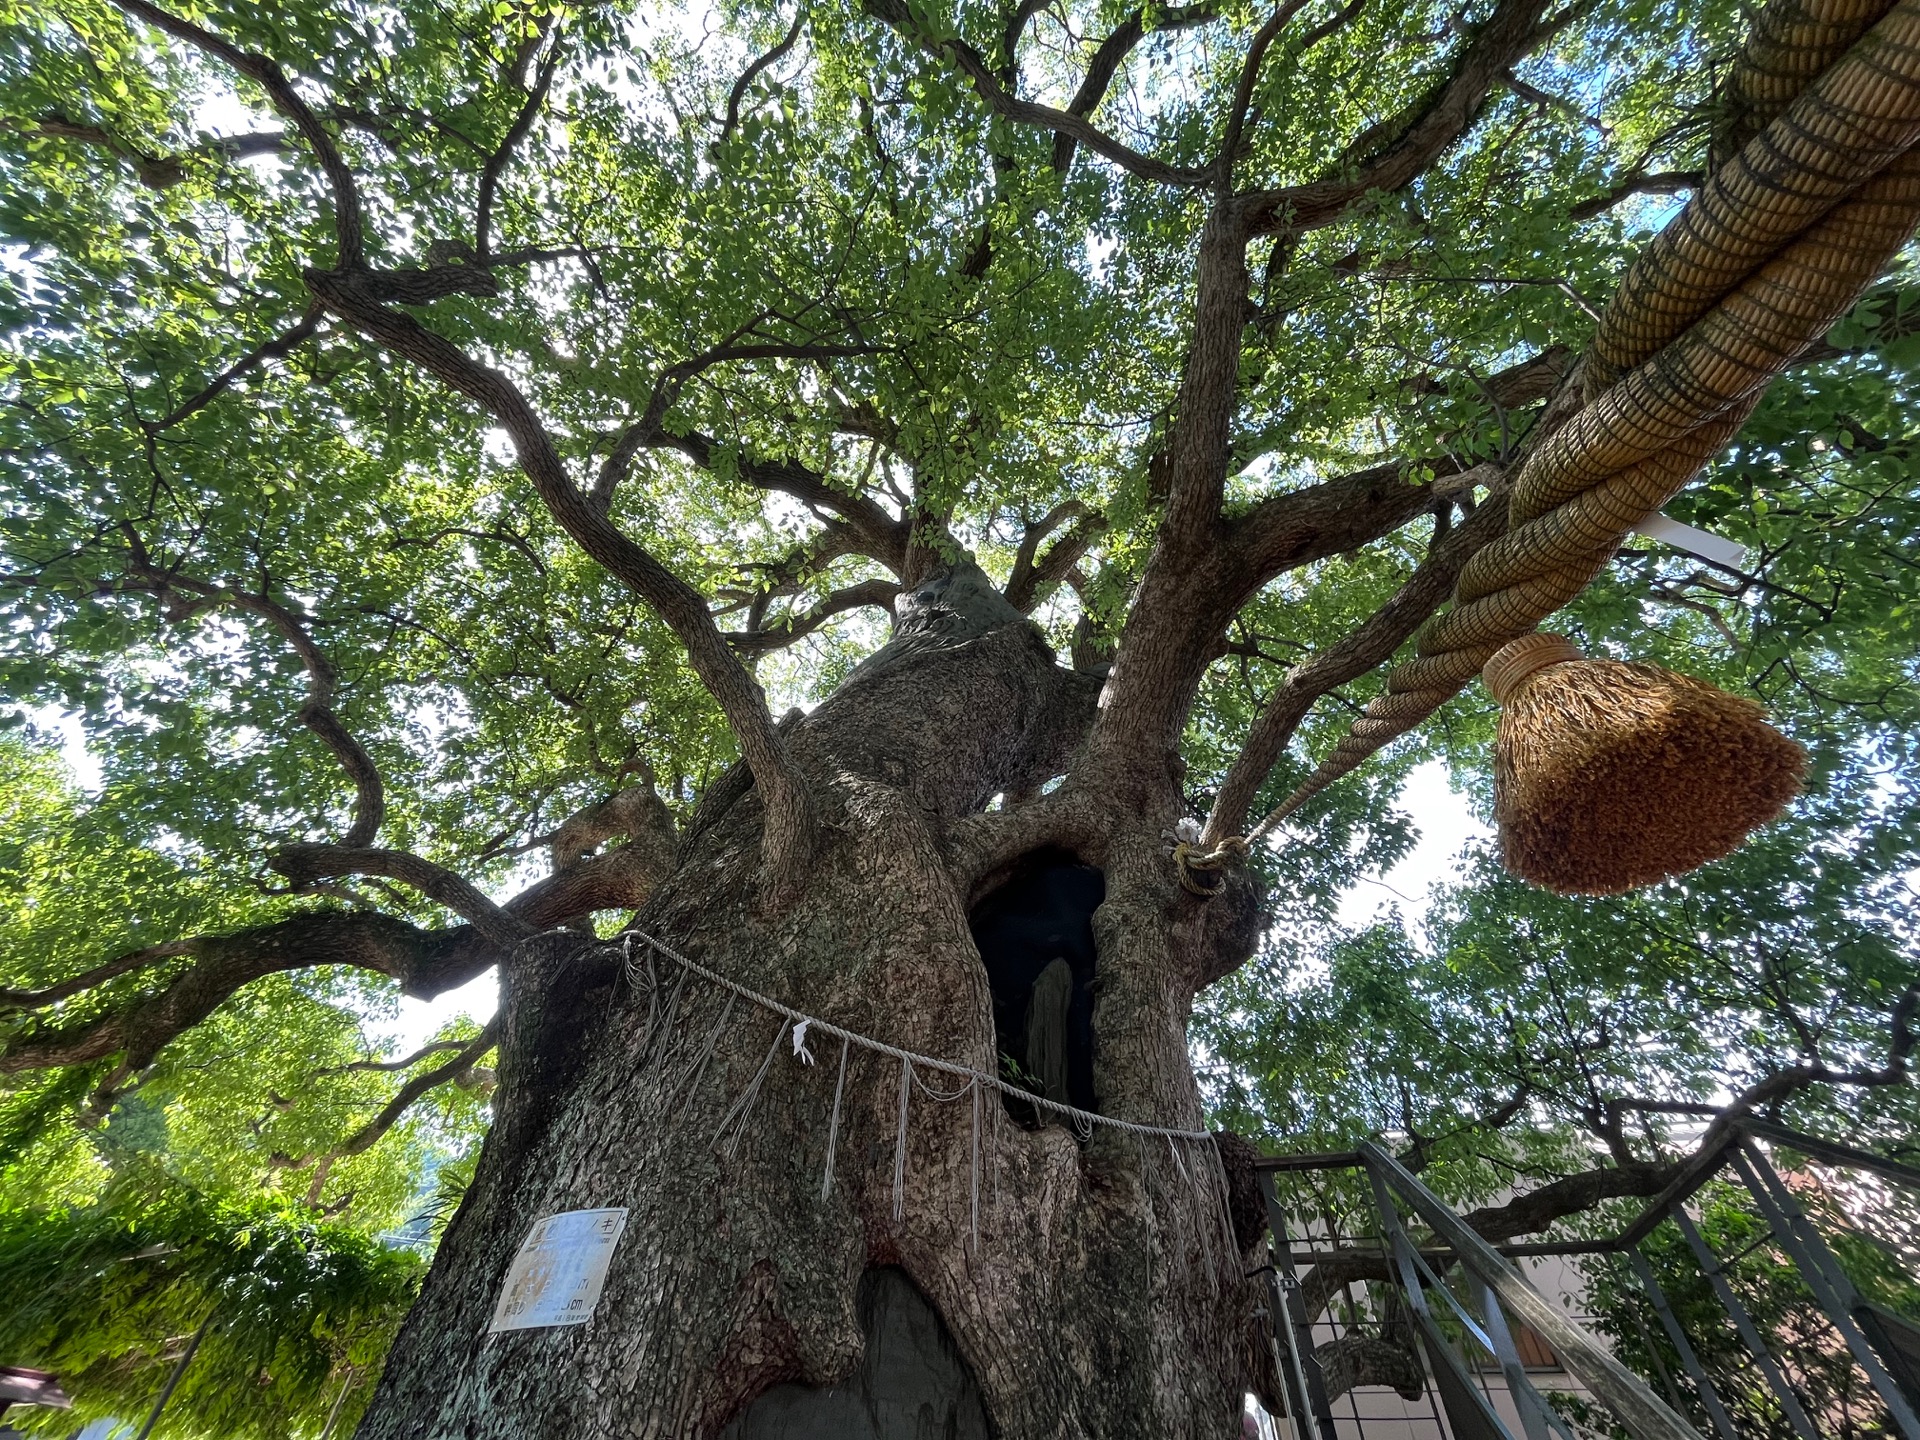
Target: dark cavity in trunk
(1035,937)
(911,1382)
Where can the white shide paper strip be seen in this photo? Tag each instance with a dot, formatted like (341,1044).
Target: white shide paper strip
(555,1278)
(1695,541)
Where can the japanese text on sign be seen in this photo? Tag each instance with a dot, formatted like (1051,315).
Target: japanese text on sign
(556,1277)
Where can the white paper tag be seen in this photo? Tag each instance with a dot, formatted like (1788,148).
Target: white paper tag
(1694,541)
(556,1277)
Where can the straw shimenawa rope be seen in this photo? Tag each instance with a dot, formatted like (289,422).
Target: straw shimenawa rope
(1202,871)
(909,1059)
(1609,775)
(1215,1192)
(1207,1179)
(1791,42)
(1766,258)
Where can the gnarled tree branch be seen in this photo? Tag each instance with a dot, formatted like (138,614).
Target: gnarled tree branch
(760,640)
(281,345)
(363,1139)
(648,431)
(363,298)
(881,537)
(141,959)
(349,226)
(1371,644)
(1665,182)
(317,714)
(1032,575)
(425,962)
(1413,140)
(753,71)
(222,964)
(1356,1359)
(789,833)
(522,123)
(497,925)
(1107,59)
(970,63)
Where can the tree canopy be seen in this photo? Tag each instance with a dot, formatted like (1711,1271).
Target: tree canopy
(440,440)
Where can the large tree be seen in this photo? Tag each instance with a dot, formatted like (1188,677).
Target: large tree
(434,433)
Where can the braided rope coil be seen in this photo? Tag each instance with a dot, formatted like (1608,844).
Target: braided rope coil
(1202,871)
(1859,113)
(1768,256)
(1519,660)
(1792,42)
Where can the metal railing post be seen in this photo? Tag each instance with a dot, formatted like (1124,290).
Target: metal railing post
(1293,1329)
(1615,1386)
(339,1400)
(1829,1283)
(1749,1332)
(1469,1415)
(173,1378)
(1689,1361)
(1527,1399)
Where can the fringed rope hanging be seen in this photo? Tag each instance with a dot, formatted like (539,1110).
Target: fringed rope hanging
(640,979)
(973,1171)
(1766,258)
(833,1126)
(733,1125)
(1206,1179)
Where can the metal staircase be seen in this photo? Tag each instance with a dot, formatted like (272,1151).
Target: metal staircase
(1466,1327)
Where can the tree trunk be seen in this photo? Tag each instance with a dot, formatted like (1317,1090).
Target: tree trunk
(1104,1295)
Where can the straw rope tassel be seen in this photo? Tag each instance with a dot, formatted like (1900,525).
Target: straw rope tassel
(900,1142)
(1768,255)
(995,1158)
(1220,1204)
(833,1125)
(651,984)
(655,1045)
(1608,776)
(976,1085)
(973,1172)
(1217,1173)
(1209,1191)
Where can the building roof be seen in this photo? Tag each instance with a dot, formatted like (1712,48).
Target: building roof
(20,1386)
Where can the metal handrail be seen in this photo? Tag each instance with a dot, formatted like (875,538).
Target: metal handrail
(1615,1386)
(1832,1152)
(1645,1416)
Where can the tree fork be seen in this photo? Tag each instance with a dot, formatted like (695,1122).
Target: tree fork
(1102,1296)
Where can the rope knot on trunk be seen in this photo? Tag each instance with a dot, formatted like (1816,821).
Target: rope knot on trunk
(1202,871)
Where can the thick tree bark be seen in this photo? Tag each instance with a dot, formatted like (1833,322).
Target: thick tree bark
(1104,1296)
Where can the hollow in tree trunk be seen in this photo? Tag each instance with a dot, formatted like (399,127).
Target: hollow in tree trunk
(1047,1287)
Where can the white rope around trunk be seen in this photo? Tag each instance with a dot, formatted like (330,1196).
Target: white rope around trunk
(1206,1179)
(809,1024)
